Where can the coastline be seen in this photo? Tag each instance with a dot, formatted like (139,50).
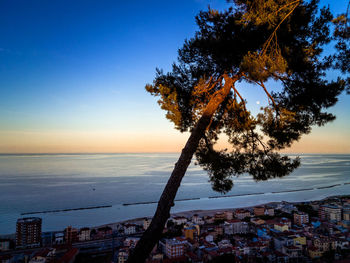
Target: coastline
(211,212)
(190,213)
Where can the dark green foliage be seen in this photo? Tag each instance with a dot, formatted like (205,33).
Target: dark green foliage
(328,256)
(95,258)
(256,41)
(265,217)
(219,221)
(281,214)
(221,165)
(224,259)
(341,60)
(173,230)
(307,209)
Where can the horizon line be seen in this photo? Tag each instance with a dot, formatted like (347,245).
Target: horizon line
(76,153)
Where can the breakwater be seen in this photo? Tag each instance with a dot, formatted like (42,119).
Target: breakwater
(240,195)
(181,200)
(65,210)
(154,202)
(330,186)
(289,191)
(223,196)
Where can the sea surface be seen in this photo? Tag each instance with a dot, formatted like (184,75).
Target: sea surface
(39,182)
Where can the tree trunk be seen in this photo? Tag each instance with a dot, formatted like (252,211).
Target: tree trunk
(152,235)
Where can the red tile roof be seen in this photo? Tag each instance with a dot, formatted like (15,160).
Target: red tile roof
(68,256)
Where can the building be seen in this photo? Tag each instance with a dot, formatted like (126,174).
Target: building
(197,220)
(340,243)
(242,213)
(5,244)
(286,207)
(293,252)
(285,221)
(178,220)
(236,227)
(322,243)
(270,211)
(28,232)
(58,238)
(259,210)
(281,227)
(281,241)
(71,235)
(104,232)
(299,240)
(346,213)
(6,258)
(123,255)
(218,230)
(43,256)
(219,216)
(174,248)
(69,256)
(314,253)
(301,218)
(345,224)
(129,229)
(228,215)
(257,221)
(208,219)
(84,234)
(330,212)
(190,232)
(208,237)
(131,242)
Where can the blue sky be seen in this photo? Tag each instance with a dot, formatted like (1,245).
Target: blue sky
(72,75)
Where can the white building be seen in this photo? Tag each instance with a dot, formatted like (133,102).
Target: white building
(84,234)
(59,238)
(197,220)
(234,226)
(129,229)
(178,220)
(209,238)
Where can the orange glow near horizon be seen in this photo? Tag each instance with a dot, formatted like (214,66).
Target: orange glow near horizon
(116,142)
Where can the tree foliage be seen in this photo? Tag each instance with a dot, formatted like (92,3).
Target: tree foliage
(254,42)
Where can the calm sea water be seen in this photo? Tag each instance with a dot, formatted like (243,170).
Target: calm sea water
(50,182)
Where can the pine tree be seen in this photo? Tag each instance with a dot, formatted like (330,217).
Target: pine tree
(252,42)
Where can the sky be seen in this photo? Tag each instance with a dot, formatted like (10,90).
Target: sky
(72,77)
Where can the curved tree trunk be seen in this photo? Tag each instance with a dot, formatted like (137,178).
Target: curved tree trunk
(152,235)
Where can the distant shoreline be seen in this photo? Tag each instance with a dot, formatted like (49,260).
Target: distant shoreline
(87,153)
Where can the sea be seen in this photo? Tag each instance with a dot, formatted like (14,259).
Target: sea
(54,182)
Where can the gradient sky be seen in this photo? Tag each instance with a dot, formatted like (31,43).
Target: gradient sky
(72,77)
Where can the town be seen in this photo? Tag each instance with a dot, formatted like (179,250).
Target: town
(315,231)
